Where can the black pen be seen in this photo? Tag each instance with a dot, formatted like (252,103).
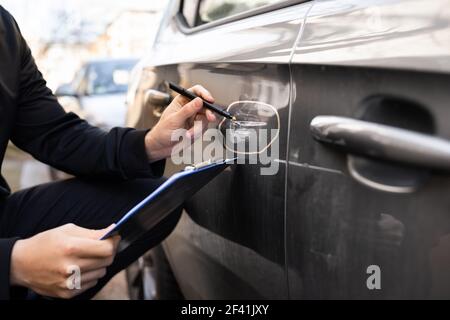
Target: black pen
(206,104)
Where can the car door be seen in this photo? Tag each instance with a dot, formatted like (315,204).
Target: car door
(230,242)
(368,212)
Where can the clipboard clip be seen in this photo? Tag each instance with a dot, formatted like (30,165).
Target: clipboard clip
(200,165)
(207,163)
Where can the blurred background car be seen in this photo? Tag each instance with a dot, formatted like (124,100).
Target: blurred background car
(98,92)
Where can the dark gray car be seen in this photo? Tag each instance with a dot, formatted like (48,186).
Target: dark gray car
(359,207)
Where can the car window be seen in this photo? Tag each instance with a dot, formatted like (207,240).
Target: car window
(212,10)
(109,77)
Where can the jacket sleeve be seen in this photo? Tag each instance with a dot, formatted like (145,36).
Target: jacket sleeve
(6,246)
(64,141)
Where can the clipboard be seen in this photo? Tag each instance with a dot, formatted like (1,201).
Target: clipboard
(165,199)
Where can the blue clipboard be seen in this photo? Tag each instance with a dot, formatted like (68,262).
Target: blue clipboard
(165,199)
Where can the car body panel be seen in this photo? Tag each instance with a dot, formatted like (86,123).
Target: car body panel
(268,37)
(211,266)
(335,241)
(228,211)
(227,226)
(340,219)
(338,226)
(314,229)
(412,35)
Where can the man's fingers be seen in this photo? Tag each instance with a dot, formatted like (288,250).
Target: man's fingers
(200,126)
(199,91)
(204,121)
(190,109)
(108,229)
(210,116)
(90,279)
(77,231)
(90,276)
(202,92)
(72,293)
(85,287)
(206,95)
(98,234)
(88,248)
(91,264)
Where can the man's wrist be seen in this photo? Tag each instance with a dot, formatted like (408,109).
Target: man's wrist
(153,148)
(17,272)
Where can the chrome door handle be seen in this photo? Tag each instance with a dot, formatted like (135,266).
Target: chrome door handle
(156,97)
(383,142)
(157,101)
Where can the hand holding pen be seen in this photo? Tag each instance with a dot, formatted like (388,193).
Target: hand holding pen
(208,105)
(182,113)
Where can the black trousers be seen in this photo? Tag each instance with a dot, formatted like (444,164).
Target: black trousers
(88,204)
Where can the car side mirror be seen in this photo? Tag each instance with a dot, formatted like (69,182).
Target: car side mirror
(66,90)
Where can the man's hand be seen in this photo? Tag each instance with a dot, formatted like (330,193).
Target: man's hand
(180,114)
(44,263)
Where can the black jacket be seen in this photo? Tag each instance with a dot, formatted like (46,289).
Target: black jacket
(32,119)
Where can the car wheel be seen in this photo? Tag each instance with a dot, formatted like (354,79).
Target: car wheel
(151,278)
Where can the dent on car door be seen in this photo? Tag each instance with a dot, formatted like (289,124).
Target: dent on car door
(230,244)
(357,226)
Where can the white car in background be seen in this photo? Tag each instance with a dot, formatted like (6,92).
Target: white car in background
(98,92)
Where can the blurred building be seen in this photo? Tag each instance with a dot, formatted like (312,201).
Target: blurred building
(131,33)
(76,31)
(128,35)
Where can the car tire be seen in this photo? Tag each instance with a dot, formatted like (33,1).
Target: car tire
(151,278)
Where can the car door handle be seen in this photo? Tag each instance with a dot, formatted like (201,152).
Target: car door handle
(157,101)
(156,97)
(382,142)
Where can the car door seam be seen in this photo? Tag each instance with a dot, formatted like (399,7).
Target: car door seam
(291,90)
